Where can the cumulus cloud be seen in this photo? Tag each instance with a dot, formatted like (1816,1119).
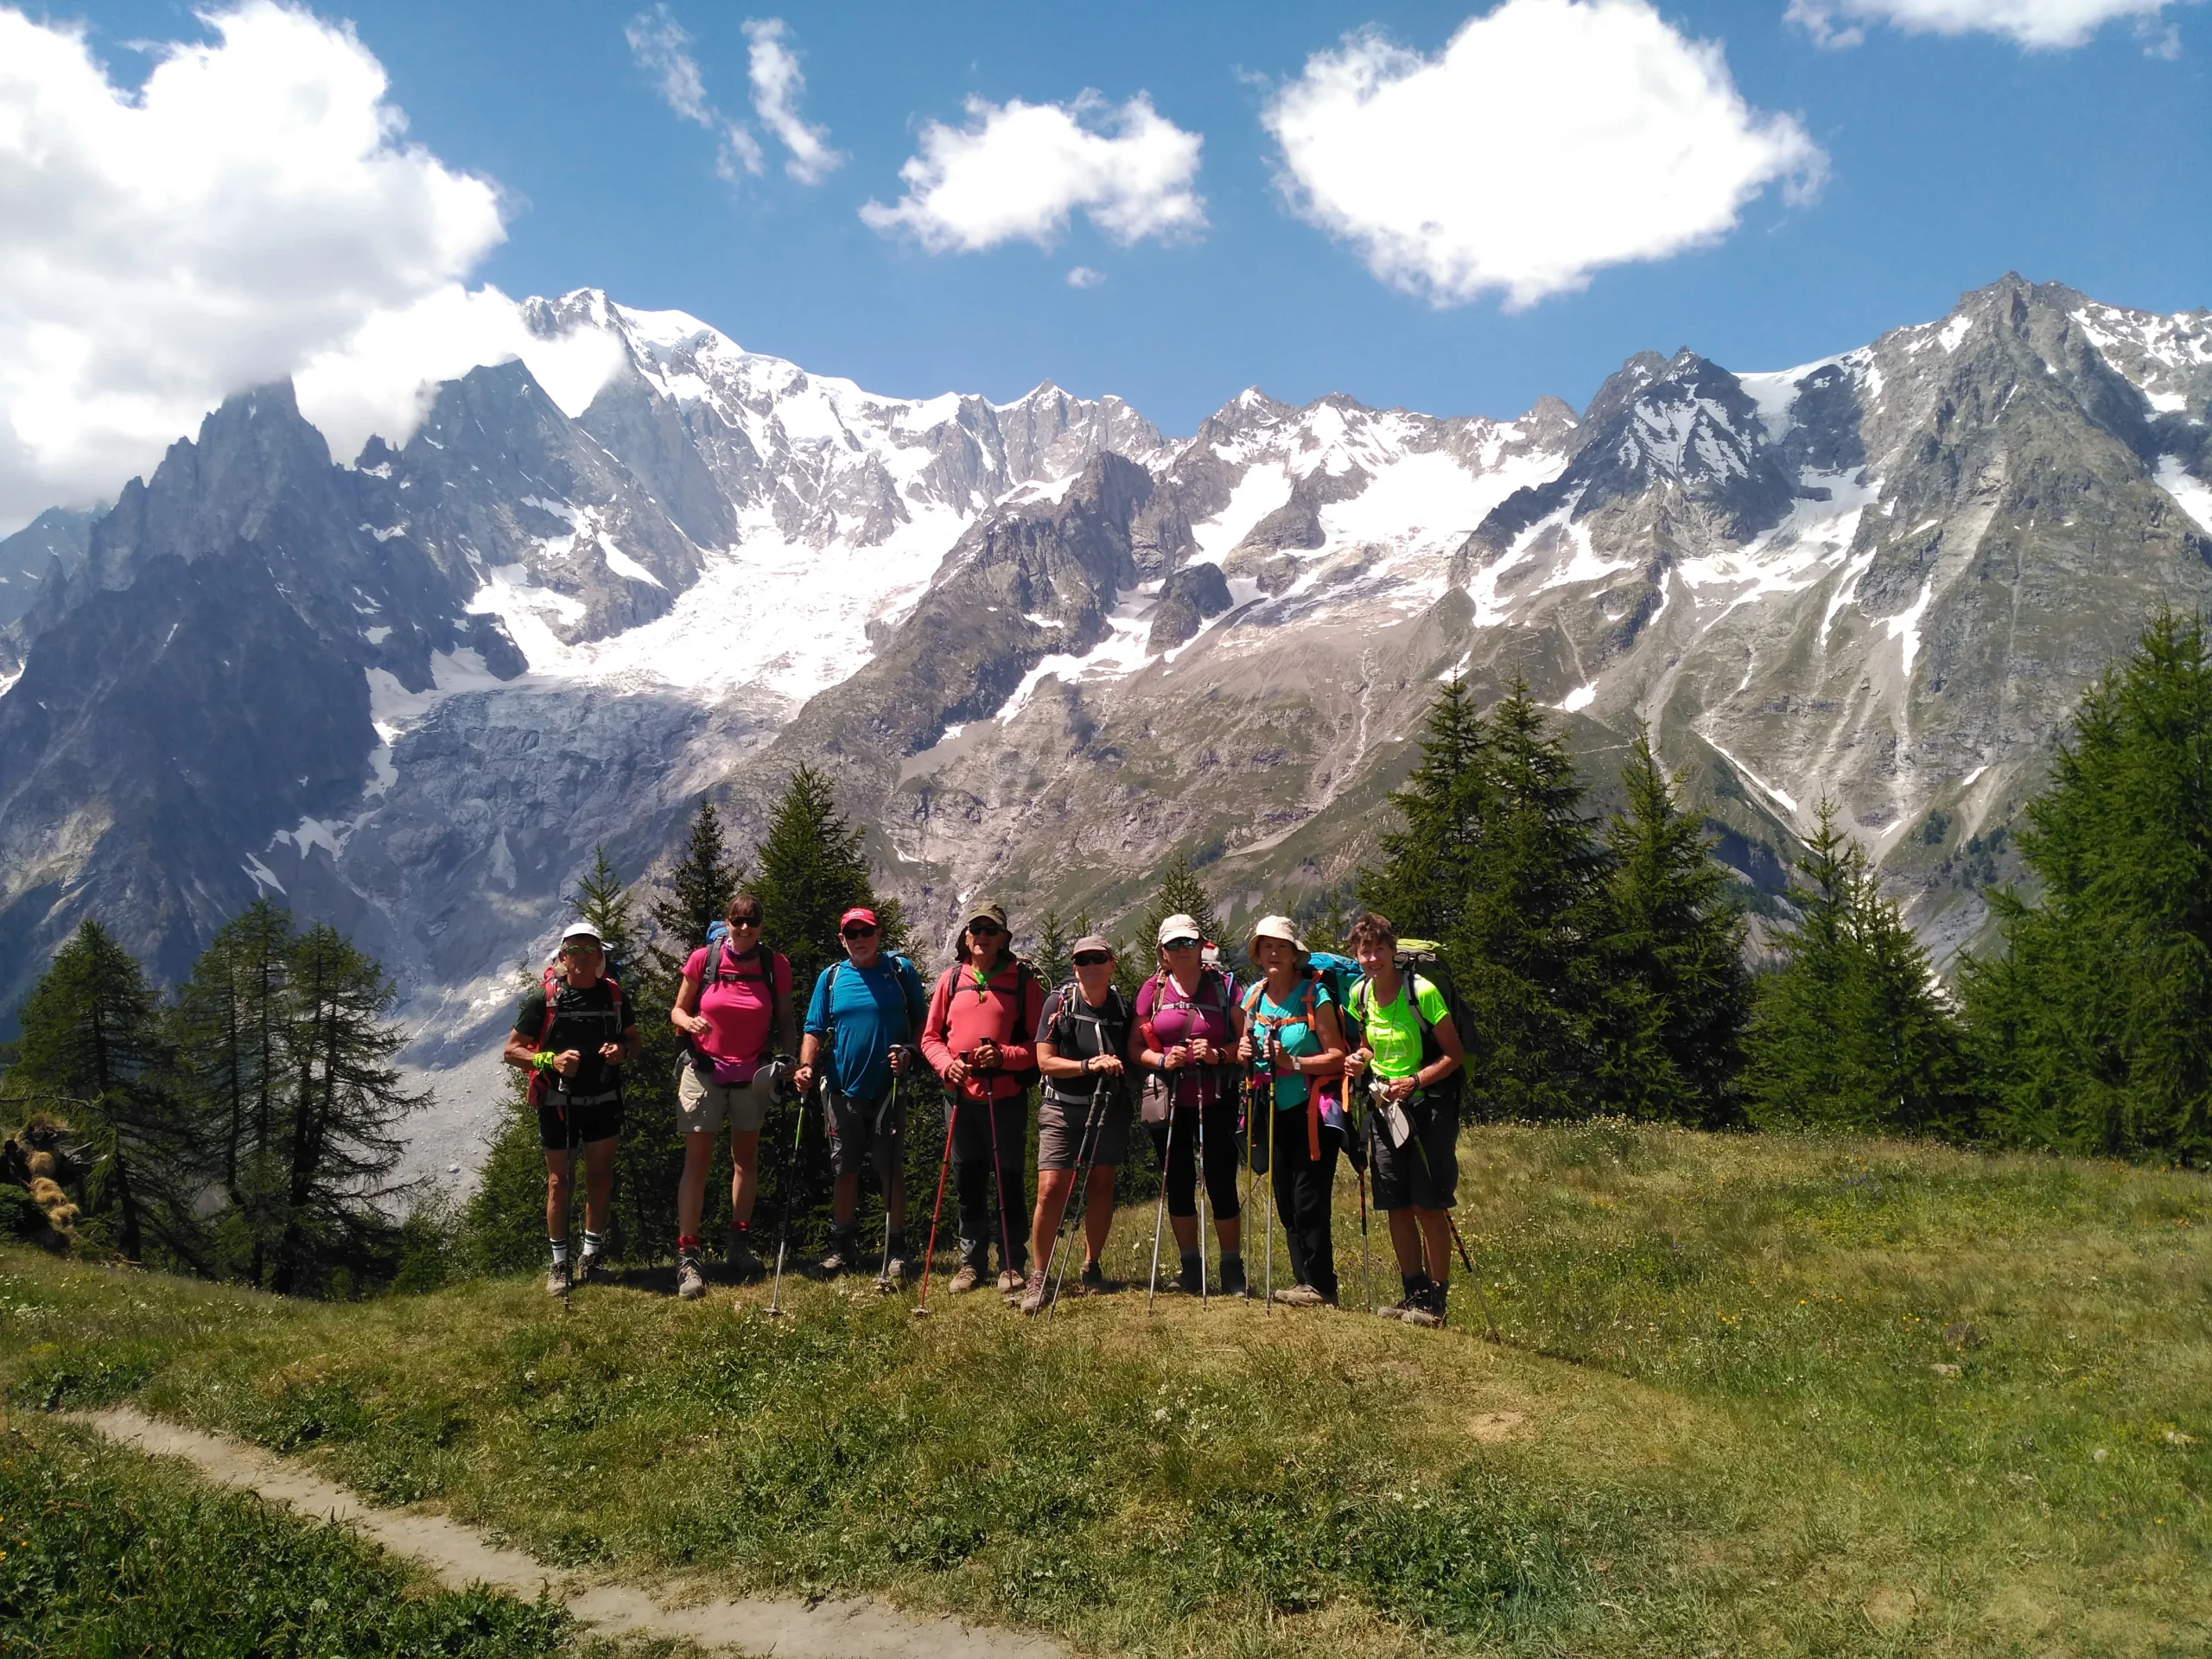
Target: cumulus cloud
(777,86)
(1016,171)
(1084,276)
(1549,138)
(252,208)
(2047,23)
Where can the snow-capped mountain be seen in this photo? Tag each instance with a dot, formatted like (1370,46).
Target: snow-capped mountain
(1041,647)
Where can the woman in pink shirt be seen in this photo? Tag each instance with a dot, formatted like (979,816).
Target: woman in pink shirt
(734,1012)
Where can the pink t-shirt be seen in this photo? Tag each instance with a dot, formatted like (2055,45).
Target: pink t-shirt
(1169,1019)
(738,1009)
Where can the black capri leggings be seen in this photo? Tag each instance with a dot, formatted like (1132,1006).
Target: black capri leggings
(1183,1159)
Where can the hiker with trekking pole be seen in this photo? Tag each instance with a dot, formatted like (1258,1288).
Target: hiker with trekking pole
(861,1023)
(733,1011)
(572,1035)
(1411,1053)
(1187,1024)
(1293,1043)
(978,1035)
(1083,1123)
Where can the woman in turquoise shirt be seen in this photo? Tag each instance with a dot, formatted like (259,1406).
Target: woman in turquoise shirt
(1293,1034)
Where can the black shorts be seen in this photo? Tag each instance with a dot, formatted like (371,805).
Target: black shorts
(1424,1172)
(596,1120)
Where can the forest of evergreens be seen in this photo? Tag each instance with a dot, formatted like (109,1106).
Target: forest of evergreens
(248,1125)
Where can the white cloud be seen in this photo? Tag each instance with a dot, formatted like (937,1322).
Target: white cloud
(1550,138)
(1084,276)
(1016,171)
(2048,23)
(777,85)
(661,48)
(253,209)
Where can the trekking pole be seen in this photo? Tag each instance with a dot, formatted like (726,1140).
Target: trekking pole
(1451,1221)
(783,1225)
(883,1273)
(1366,1262)
(1269,1305)
(1160,1210)
(1086,1156)
(922,1306)
(1201,1182)
(569,1214)
(998,1182)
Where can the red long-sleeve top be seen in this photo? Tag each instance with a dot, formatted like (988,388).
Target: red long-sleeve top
(966,1009)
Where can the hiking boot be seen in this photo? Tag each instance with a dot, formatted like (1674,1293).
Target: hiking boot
(1033,1295)
(690,1283)
(742,1262)
(557,1280)
(591,1268)
(893,1276)
(1301,1296)
(1094,1278)
(843,1257)
(966,1279)
(1425,1309)
(1191,1280)
(1012,1282)
(1233,1282)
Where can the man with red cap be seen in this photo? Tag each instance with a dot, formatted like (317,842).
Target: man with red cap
(865,1010)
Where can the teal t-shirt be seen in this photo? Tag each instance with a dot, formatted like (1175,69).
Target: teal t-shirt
(1394,1031)
(1295,1033)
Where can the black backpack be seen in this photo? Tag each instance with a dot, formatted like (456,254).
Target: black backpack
(1425,958)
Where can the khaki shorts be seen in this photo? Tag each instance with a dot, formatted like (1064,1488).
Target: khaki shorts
(1060,1125)
(702,1107)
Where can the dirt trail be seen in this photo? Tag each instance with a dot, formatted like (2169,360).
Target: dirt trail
(785,1627)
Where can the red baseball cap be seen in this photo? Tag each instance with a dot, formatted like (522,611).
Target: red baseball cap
(859,914)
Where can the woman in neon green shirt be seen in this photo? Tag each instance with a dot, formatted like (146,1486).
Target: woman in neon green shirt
(1407,1037)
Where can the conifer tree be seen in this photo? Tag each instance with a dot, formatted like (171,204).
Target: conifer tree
(1053,959)
(231,1032)
(1181,891)
(813,867)
(601,901)
(1427,869)
(93,1045)
(1849,1032)
(698,893)
(346,1101)
(2094,1022)
(1676,994)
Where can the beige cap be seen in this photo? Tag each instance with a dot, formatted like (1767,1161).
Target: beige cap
(985,911)
(1180,926)
(1272,927)
(1092,942)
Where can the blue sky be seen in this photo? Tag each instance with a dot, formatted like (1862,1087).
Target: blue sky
(1948,159)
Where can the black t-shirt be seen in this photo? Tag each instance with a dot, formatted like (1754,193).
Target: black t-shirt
(1078,1031)
(582,1020)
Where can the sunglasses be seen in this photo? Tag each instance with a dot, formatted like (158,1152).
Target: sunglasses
(985,930)
(580,948)
(1179,945)
(859,932)
(1092,959)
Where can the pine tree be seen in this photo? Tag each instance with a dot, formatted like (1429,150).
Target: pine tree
(94,1047)
(1426,870)
(1051,957)
(698,892)
(1849,1032)
(1676,994)
(230,1026)
(2094,1022)
(347,1100)
(813,867)
(1181,891)
(601,901)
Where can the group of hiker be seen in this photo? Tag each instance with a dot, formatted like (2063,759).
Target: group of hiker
(1279,1078)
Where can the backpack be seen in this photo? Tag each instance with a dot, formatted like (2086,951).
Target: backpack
(1338,973)
(902,967)
(1166,994)
(717,970)
(1417,960)
(1024,977)
(554,982)
(1068,1004)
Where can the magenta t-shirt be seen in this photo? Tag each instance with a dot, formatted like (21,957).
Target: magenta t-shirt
(1169,1019)
(738,1009)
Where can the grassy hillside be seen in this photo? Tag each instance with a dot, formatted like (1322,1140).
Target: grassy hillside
(1772,1396)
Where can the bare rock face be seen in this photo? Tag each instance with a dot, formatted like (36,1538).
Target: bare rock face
(1041,649)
